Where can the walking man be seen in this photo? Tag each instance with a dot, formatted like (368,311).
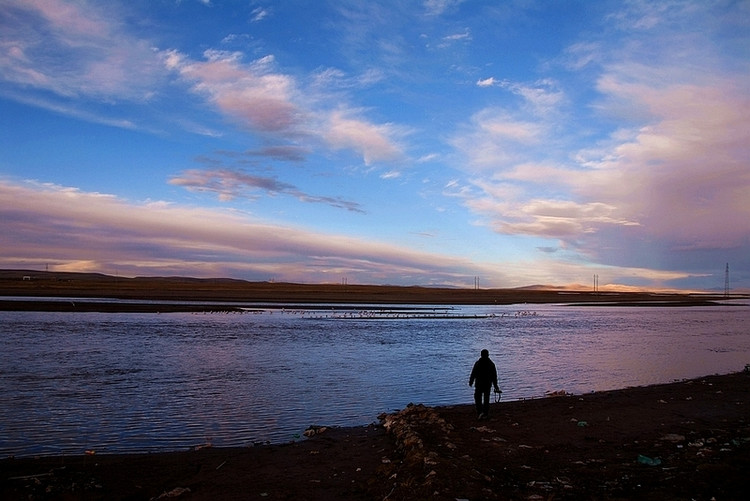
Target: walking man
(485,375)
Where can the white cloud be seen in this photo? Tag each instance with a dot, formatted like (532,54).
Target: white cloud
(259,14)
(453,38)
(540,98)
(393,174)
(438,7)
(487,82)
(582,54)
(496,139)
(329,79)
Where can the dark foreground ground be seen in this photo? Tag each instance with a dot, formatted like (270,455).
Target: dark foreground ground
(685,440)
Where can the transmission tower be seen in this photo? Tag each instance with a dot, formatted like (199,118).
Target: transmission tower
(726,281)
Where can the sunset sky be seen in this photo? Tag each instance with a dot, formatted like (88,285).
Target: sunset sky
(408,142)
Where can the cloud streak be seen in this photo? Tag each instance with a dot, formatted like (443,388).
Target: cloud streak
(68,228)
(229,184)
(72,230)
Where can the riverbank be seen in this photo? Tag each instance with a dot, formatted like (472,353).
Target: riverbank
(684,440)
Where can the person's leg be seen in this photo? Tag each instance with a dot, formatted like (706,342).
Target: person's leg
(478,400)
(486,403)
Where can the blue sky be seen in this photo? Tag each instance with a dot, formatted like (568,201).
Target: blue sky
(395,142)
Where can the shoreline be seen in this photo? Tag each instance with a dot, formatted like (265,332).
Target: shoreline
(679,440)
(93,306)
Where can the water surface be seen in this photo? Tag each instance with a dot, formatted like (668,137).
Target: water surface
(145,382)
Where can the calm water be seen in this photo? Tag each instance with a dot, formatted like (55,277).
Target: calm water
(71,382)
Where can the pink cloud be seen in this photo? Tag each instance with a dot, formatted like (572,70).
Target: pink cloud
(272,103)
(373,142)
(73,49)
(680,177)
(260,99)
(72,19)
(69,228)
(668,188)
(684,174)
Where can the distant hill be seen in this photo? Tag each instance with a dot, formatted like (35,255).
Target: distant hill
(96,285)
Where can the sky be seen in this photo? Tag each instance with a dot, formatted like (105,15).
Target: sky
(402,142)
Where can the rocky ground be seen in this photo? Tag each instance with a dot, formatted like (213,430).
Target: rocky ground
(685,440)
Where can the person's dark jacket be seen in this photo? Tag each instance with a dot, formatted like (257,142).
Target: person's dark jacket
(484,373)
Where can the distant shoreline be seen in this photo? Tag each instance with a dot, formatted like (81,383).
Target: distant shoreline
(89,306)
(165,294)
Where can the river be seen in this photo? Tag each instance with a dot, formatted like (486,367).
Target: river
(126,382)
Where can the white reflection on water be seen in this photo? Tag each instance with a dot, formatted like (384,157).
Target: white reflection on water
(145,382)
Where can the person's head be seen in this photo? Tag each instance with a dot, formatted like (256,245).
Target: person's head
(485,354)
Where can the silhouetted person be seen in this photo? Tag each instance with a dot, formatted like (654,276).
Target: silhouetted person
(485,375)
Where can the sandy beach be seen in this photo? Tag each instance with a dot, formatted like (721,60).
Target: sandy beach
(683,440)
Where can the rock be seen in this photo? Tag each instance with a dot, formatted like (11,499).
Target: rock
(405,425)
(673,437)
(413,428)
(648,461)
(314,430)
(485,429)
(174,493)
